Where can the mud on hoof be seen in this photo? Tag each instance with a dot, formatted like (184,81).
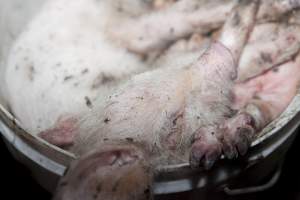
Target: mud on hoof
(232,137)
(236,135)
(112,172)
(206,148)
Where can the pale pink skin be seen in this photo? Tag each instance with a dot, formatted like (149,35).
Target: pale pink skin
(123,166)
(272,90)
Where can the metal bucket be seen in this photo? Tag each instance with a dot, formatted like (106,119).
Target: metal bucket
(48,163)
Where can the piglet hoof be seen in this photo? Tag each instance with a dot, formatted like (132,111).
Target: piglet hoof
(206,148)
(237,135)
(113,172)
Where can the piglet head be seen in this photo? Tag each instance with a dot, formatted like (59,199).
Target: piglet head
(114,172)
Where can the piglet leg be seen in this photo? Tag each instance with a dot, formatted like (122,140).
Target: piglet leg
(259,101)
(155,30)
(239,25)
(233,131)
(118,171)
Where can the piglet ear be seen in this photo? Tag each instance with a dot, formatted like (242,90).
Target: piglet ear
(118,171)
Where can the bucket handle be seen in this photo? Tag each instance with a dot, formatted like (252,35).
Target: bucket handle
(253,189)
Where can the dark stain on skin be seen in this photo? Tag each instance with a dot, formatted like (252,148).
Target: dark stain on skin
(58,64)
(196,7)
(106,120)
(86,70)
(88,102)
(107,79)
(141,98)
(275,69)
(14,122)
(236,19)
(102,79)
(228,115)
(129,139)
(256,97)
(117,153)
(95,196)
(99,187)
(63,183)
(41,48)
(176,119)
(266,57)
(174,131)
(116,185)
(51,36)
(172,30)
(147,191)
(31,72)
(67,78)
(120,9)
(265,16)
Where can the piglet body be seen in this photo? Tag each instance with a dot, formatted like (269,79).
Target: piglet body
(167,118)
(139,126)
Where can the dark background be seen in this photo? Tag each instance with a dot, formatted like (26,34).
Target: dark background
(18,184)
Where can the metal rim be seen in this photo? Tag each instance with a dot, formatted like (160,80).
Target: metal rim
(12,131)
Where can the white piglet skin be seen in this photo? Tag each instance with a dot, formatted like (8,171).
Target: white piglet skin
(63,61)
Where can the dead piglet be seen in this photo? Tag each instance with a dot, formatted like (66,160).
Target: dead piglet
(154,113)
(232,134)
